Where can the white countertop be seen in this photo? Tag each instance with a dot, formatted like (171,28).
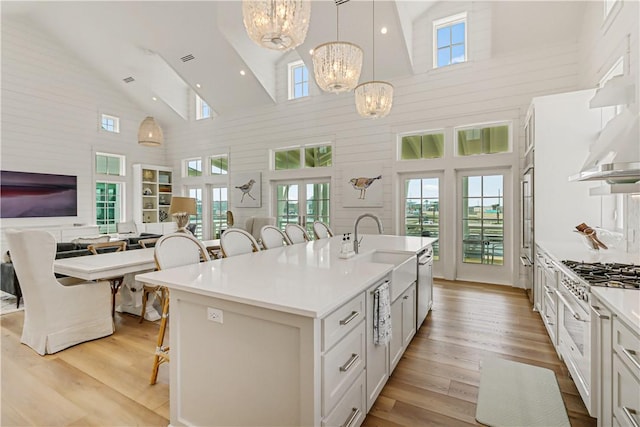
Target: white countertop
(577,251)
(307,279)
(624,302)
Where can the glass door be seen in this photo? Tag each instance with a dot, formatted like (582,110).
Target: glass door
(196,193)
(303,202)
(422,209)
(219,206)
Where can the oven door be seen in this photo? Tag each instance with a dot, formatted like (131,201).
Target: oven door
(574,338)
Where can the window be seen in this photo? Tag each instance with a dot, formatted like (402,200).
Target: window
(219,165)
(450,40)
(481,139)
(303,202)
(203,111)
(196,193)
(298,80)
(110,123)
(483,219)
(314,157)
(108,206)
(422,146)
(109,164)
(192,167)
(219,208)
(422,209)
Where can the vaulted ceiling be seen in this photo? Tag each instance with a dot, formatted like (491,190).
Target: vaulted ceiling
(151,41)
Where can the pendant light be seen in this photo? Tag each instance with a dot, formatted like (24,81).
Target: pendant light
(337,65)
(277,24)
(149,133)
(374,98)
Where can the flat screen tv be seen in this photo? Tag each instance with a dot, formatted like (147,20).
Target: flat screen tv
(29,195)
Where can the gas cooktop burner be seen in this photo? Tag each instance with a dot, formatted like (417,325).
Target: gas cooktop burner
(613,275)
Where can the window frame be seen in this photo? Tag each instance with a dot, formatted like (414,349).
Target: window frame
(185,167)
(302,152)
(211,159)
(291,67)
(116,122)
(448,22)
(121,186)
(508,123)
(200,103)
(438,131)
(122,159)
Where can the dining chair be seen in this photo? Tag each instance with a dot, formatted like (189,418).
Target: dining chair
(148,243)
(296,233)
(322,230)
(97,248)
(236,241)
(58,313)
(273,237)
(172,250)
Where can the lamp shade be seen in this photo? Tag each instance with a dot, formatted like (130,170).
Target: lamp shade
(277,24)
(374,99)
(183,205)
(149,133)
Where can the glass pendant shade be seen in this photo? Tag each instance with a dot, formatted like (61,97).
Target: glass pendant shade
(374,99)
(337,66)
(149,133)
(277,24)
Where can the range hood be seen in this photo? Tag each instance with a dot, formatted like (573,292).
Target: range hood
(615,156)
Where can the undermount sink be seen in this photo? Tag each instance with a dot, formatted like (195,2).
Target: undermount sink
(405,268)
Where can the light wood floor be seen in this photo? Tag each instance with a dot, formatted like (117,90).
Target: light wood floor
(105,382)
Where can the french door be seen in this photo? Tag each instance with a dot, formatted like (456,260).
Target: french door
(196,193)
(302,202)
(422,208)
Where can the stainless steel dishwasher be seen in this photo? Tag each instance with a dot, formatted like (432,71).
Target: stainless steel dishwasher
(424,298)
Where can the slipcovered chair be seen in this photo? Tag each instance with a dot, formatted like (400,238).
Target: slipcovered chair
(236,241)
(128,227)
(172,250)
(273,237)
(57,313)
(322,230)
(296,233)
(255,223)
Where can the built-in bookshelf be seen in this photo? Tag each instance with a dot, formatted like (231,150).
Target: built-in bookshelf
(152,193)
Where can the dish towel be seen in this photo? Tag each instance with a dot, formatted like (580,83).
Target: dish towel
(381,315)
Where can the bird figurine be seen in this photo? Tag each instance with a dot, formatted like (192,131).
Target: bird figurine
(362,184)
(246,189)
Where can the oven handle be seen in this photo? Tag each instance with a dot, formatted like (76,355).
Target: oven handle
(568,307)
(595,311)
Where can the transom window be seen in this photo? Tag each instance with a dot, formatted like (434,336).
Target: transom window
(422,146)
(110,123)
(192,167)
(450,40)
(483,139)
(219,165)
(203,111)
(298,80)
(109,164)
(303,157)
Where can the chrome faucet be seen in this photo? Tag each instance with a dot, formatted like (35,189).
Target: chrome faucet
(356,242)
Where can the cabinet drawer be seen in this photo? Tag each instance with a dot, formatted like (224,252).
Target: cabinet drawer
(342,321)
(341,365)
(626,344)
(626,402)
(350,412)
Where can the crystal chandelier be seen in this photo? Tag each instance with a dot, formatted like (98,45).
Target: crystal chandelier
(277,24)
(337,65)
(149,133)
(374,98)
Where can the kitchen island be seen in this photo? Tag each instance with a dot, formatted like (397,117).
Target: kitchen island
(280,337)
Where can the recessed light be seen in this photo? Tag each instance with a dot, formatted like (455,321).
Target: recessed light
(310,51)
(198,85)
(154,98)
(383,30)
(242,72)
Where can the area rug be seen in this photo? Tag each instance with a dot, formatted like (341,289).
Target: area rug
(515,394)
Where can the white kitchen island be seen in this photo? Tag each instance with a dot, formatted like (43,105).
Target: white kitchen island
(279,337)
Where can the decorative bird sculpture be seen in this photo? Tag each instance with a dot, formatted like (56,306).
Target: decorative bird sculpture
(362,184)
(246,189)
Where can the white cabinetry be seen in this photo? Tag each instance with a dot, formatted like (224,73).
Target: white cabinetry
(403,323)
(626,375)
(549,301)
(601,320)
(152,190)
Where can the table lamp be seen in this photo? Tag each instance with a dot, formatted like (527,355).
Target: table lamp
(181,208)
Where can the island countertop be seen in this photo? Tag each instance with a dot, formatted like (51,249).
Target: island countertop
(305,279)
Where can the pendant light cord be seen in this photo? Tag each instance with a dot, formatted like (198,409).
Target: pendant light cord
(337,23)
(373,37)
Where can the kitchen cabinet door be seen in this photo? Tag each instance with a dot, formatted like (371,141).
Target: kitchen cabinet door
(601,318)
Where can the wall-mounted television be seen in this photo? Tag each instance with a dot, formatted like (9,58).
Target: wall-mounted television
(30,195)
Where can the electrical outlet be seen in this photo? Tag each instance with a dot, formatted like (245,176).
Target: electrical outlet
(214,314)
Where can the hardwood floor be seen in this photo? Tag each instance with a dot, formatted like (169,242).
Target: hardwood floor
(106,382)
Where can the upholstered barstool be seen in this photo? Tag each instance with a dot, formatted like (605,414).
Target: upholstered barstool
(237,241)
(272,237)
(322,230)
(296,233)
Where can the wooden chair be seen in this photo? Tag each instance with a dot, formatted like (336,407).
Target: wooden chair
(322,230)
(148,243)
(296,233)
(173,250)
(149,289)
(272,237)
(119,246)
(236,241)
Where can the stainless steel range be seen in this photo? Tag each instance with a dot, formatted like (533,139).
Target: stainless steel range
(626,276)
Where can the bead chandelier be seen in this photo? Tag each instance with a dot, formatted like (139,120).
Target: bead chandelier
(374,98)
(337,65)
(149,133)
(277,24)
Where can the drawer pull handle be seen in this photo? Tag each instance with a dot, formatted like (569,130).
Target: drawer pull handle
(628,412)
(548,290)
(630,354)
(595,309)
(349,318)
(405,297)
(355,412)
(353,359)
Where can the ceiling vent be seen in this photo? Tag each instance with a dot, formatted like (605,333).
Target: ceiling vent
(187,58)
(128,79)
(339,2)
